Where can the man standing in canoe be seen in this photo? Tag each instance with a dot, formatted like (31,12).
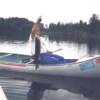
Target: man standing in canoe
(35,34)
(46,57)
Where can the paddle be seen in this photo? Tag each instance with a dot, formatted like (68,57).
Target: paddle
(57,50)
(54,51)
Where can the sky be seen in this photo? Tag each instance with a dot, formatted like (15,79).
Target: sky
(52,11)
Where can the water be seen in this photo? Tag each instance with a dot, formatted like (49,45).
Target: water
(68,50)
(17,90)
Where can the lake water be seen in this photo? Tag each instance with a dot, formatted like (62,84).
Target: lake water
(17,90)
(68,50)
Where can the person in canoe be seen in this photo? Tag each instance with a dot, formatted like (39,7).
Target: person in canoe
(35,38)
(46,57)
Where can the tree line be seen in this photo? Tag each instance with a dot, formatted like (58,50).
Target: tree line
(15,28)
(81,32)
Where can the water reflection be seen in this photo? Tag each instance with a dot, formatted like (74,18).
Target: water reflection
(69,49)
(93,49)
(17,90)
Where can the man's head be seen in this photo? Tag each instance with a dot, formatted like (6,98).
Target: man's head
(39,20)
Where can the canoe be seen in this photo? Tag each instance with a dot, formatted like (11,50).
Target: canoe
(89,67)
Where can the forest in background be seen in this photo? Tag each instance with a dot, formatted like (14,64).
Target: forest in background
(15,28)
